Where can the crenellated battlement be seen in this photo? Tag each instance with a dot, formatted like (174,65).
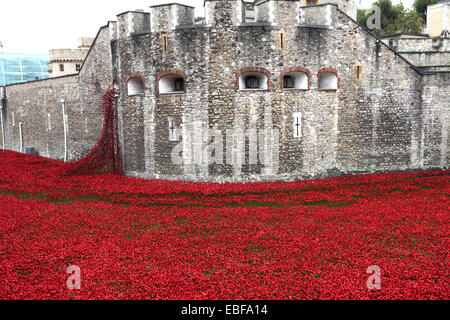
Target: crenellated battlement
(113,31)
(221,11)
(265,11)
(131,22)
(167,17)
(172,16)
(319,16)
(240,12)
(276,12)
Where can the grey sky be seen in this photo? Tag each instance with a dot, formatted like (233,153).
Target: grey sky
(37,26)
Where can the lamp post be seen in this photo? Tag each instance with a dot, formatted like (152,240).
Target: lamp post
(3,130)
(20,137)
(63,106)
(2,66)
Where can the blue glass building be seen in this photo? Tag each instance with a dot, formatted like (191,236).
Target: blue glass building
(22,67)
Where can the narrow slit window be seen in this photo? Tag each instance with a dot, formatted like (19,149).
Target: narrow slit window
(172,130)
(297,125)
(281,40)
(358,72)
(165,43)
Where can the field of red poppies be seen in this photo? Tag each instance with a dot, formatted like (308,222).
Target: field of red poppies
(143,239)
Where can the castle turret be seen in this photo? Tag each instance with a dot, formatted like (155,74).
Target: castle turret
(278,12)
(346,6)
(224,11)
(113,30)
(167,17)
(265,11)
(131,22)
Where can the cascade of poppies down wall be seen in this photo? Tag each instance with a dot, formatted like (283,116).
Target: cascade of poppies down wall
(105,157)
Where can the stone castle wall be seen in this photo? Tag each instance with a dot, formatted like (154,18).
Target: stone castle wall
(393,118)
(423,51)
(367,125)
(37,105)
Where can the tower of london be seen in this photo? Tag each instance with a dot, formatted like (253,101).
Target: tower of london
(267,90)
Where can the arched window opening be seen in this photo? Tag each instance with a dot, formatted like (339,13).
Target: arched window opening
(135,86)
(296,78)
(253,81)
(171,84)
(328,79)
(171,81)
